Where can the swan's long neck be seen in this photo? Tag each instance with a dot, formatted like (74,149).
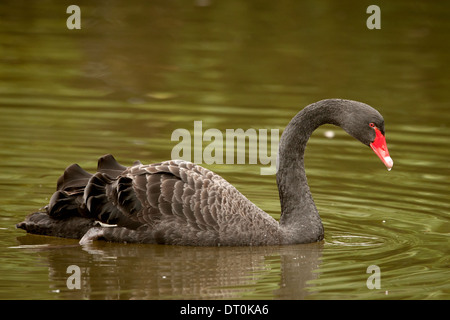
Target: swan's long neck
(299,216)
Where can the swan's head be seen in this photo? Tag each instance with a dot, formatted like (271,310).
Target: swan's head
(367,125)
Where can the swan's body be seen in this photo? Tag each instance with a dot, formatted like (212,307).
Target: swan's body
(178,202)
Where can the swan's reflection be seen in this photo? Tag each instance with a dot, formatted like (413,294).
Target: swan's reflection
(129,271)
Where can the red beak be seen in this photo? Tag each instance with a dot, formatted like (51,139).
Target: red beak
(380,148)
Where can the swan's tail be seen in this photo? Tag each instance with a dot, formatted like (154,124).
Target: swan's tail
(67,215)
(42,223)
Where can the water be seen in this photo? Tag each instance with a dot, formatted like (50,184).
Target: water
(132,75)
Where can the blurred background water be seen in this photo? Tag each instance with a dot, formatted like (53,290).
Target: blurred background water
(138,70)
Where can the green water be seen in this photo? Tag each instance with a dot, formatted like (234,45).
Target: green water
(133,74)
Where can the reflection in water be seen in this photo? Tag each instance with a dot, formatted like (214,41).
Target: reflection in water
(112,271)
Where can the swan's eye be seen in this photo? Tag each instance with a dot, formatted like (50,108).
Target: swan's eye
(372,125)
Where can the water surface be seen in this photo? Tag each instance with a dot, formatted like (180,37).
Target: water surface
(133,74)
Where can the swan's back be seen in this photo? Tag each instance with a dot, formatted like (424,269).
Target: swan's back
(172,202)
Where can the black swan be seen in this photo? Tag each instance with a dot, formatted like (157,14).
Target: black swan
(181,203)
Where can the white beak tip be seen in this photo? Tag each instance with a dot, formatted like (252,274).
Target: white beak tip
(388,162)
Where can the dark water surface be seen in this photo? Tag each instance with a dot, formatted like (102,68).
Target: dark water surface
(133,74)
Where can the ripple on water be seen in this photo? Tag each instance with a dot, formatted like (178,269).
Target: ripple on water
(351,240)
